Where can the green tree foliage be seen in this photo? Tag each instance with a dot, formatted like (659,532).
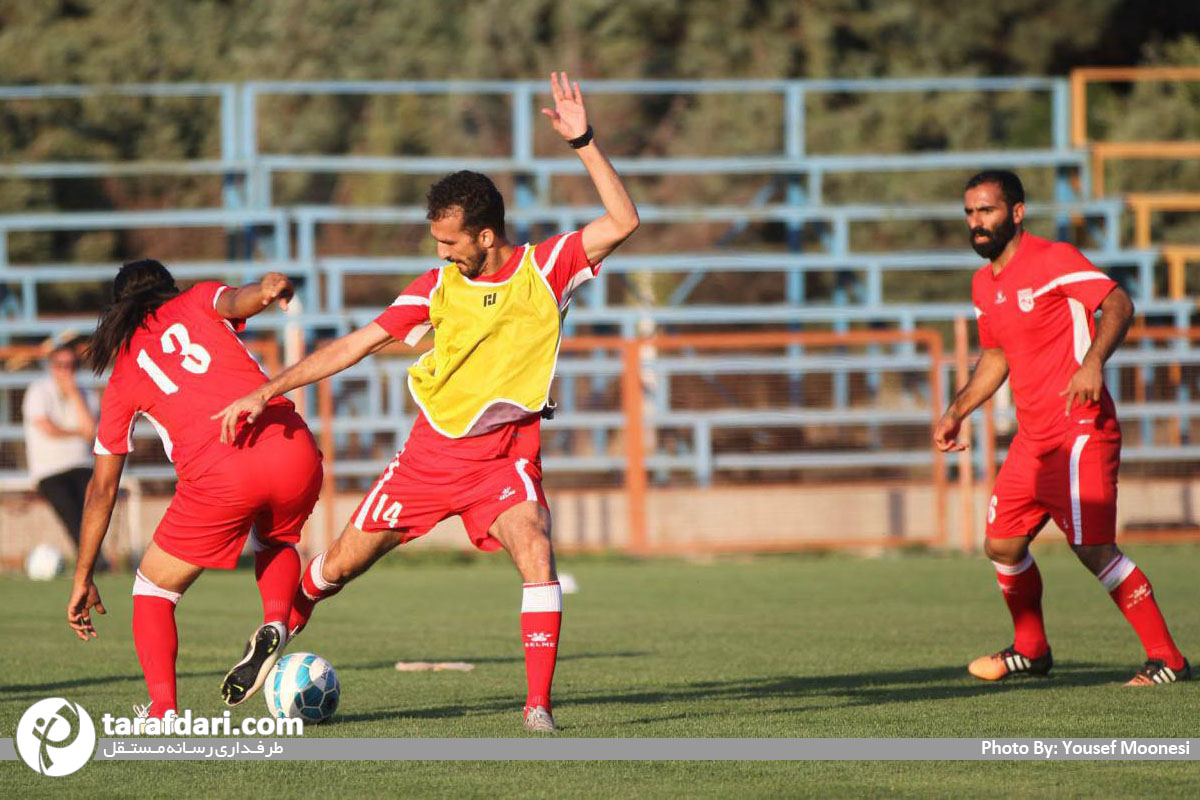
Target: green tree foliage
(121,41)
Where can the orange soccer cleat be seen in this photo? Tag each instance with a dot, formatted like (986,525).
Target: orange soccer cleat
(1009,662)
(1155,672)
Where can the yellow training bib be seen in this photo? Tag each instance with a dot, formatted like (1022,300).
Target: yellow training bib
(495,346)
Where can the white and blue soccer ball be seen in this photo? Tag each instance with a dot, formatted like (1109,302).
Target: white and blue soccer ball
(304,686)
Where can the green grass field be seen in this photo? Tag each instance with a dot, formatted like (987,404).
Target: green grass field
(774,647)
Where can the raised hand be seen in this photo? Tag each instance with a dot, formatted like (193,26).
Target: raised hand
(277,286)
(568,116)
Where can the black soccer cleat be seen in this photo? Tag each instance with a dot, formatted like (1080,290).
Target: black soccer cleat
(1009,662)
(1155,672)
(249,674)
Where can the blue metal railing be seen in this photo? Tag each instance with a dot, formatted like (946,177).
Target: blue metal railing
(242,154)
(288,237)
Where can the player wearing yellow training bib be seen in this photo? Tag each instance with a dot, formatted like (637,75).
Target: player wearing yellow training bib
(496,312)
(495,341)
(474,449)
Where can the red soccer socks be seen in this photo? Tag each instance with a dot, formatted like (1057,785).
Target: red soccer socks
(541,619)
(277,570)
(313,588)
(1131,591)
(156,640)
(1022,588)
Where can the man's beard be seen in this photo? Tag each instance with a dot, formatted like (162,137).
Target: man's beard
(991,247)
(473,269)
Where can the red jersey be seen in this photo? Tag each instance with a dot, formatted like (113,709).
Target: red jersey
(184,365)
(565,266)
(1039,311)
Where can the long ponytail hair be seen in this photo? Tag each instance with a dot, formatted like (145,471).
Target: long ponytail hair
(138,290)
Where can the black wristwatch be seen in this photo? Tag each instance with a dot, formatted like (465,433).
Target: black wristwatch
(583,140)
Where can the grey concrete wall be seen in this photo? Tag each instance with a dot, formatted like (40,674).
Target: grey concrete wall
(774,514)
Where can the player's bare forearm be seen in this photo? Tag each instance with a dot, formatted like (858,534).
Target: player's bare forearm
(331,359)
(1116,314)
(620,220)
(97,513)
(989,373)
(986,378)
(98,504)
(254,298)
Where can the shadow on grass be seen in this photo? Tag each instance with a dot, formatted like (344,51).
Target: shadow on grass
(39,690)
(26,691)
(853,689)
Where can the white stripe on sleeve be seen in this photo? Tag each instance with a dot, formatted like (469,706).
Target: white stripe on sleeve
(410,300)
(558,246)
(1072,277)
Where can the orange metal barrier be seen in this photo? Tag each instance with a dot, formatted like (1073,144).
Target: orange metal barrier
(632,352)
(1102,152)
(1082,76)
(1144,204)
(966,470)
(1178,256)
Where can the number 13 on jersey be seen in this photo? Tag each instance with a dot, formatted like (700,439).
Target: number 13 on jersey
(195,359)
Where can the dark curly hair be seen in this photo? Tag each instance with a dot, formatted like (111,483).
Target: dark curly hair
(1009,183)
(480,201)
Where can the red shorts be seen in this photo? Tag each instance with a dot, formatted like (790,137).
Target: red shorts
(1075,484)
(272,484)
(416,492)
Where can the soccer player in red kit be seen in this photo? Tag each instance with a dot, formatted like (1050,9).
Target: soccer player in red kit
(496,311)
(177,359)
(1034,305)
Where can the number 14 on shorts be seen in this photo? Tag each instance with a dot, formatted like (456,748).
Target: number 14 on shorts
(388,513)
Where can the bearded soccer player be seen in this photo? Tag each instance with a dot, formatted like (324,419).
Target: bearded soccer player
(1035,304)
(474,450)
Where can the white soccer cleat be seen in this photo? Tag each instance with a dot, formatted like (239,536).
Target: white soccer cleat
(539,720)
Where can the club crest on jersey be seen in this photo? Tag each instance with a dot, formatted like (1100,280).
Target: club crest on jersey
(1025,300)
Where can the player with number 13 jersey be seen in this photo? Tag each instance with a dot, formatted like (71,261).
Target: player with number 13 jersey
(176,360)
(180,367)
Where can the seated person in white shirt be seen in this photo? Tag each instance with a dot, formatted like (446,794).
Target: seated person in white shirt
(60,423)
